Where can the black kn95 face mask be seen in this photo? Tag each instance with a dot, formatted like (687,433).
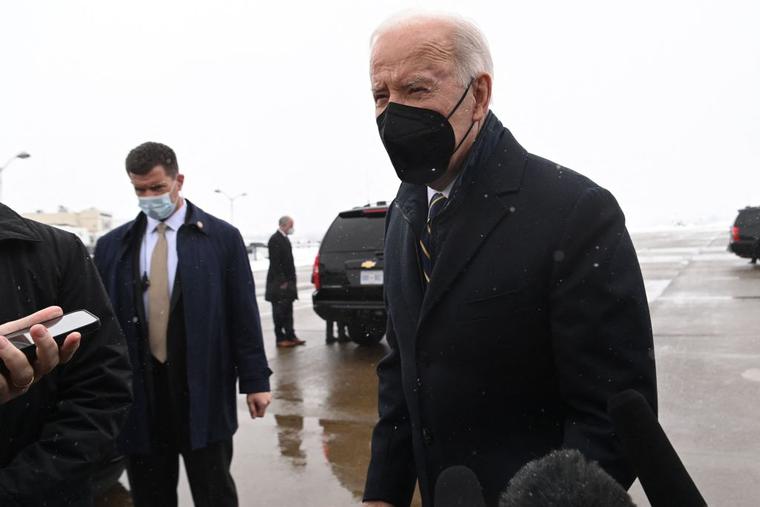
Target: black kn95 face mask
(419,141)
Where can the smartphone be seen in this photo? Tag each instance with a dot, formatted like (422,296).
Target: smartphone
(81,320)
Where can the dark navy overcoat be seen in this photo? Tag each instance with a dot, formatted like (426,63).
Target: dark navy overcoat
(535,315)
(223,330)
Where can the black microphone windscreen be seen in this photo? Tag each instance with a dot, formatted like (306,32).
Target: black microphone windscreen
(661,472)
(458,486)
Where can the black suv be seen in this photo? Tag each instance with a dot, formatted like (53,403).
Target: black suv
(348,274)
(745,234)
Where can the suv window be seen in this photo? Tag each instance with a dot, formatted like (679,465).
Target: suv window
(352,232)
(748,217)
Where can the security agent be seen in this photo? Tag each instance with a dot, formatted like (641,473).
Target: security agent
(515,302)
(182,287)
(282,286)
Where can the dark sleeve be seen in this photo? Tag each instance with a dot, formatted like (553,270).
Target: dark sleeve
(601,331)
(93,394)
(291,267)
(102,260)
(244,321)
(275,260)
(391,476)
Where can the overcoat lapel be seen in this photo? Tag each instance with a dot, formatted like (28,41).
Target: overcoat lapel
(130,259)
(486,201)
(403,288)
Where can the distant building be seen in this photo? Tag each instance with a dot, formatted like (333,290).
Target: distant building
(88,224)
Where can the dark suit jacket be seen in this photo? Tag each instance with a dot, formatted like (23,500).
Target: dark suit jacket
(222,339)
(282,270)
(536,314)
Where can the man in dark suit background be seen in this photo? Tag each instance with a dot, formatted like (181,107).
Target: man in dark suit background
(180,282)
(282,288)
(516,306)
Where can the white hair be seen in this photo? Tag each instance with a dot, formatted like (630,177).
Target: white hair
(284,221)
(471,52)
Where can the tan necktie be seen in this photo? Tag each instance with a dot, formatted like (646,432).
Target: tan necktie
(158,296)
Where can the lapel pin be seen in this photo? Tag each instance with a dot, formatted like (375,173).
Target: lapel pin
(199,225)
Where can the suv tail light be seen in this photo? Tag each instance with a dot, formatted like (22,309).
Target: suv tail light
(315,274)
(735,236)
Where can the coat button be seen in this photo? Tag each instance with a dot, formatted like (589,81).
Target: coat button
(427,436)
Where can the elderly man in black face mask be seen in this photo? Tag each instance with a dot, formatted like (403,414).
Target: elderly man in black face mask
(515,301)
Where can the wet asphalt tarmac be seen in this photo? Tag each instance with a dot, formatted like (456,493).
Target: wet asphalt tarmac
(312,448)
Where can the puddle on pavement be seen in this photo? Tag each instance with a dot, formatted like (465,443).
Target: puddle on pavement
(313,446)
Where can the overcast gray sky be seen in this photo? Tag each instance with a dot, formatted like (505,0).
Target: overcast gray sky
(655,100)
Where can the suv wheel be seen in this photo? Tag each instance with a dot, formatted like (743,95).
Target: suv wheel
(365,333)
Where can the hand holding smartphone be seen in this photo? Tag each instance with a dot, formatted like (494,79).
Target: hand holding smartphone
(80,321)
(31,347)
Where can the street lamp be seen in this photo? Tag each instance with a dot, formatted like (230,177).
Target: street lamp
(21,155)
(232,200)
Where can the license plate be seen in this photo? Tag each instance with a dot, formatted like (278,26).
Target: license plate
(371,277)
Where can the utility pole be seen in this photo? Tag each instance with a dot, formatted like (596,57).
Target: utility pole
(20,155)
(232,200)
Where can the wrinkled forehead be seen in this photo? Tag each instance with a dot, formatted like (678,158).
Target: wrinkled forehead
(406,51)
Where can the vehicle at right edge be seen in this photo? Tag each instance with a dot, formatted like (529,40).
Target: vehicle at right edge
(745,234)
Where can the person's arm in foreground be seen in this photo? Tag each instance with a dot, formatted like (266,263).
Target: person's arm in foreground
(245,326)
(601,331)
(391,476)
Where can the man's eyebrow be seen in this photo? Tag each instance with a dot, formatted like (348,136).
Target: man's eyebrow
(149,187)
(418,79)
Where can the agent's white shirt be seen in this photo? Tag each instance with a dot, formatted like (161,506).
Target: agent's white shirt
(173,223)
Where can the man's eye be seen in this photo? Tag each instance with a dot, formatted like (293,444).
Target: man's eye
(418,89)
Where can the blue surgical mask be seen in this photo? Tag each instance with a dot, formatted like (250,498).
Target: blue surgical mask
(159,207)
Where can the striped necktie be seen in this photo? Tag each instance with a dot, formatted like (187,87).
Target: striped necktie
(437,203)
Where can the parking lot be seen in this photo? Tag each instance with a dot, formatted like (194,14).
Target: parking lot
(313,445)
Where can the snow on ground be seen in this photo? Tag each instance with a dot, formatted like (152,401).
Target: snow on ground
(302,256)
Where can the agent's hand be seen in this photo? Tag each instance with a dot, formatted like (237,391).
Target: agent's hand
(22,374)
(376,504)
(258,403)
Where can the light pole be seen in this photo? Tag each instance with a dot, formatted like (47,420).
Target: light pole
(21,154)
(232,200)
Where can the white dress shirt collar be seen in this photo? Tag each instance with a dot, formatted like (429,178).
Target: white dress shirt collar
(150,239)
(174,222)
(446,191)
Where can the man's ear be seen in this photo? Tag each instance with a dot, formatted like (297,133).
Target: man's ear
(180,181)
(481,88)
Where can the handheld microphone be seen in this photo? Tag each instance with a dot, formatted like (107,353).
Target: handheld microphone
(661,472)
(458,486)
